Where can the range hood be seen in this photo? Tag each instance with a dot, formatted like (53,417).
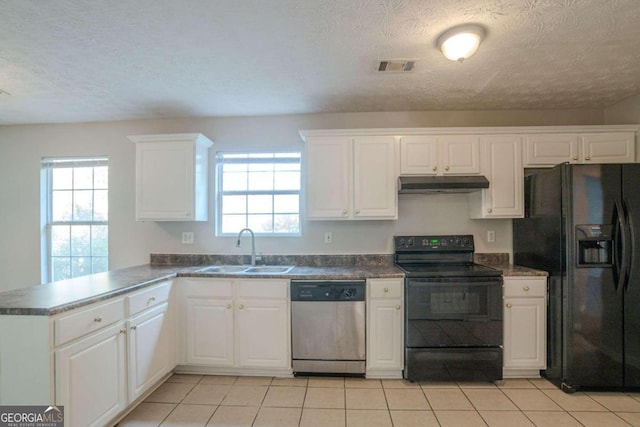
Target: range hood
(441,184)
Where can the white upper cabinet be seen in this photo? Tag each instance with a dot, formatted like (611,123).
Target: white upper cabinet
(548,149)
(351,177)
(171,177)
(502,165)
(439,155)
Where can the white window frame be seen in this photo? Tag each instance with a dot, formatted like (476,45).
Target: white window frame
(47,166)
(219,184)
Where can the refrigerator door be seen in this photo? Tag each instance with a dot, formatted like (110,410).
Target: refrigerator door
(631,203)
(593,310)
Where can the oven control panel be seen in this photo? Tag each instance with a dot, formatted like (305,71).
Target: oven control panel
(433,243)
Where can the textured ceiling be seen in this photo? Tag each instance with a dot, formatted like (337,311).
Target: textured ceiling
(71,61)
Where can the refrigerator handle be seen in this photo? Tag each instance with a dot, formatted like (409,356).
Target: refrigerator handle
(619,247)
(628,251)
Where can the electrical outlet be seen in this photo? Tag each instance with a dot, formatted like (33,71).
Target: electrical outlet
(187,237)
(328,237)
(491,236)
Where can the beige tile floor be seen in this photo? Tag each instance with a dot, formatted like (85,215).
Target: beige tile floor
(196,400)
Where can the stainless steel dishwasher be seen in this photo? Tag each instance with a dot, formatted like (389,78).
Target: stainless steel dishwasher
(328,326)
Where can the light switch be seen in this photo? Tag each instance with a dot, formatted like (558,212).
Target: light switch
(187,237)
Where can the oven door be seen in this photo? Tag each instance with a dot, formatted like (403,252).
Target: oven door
(453,329)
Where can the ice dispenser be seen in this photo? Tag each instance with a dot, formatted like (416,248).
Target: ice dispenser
(595,245)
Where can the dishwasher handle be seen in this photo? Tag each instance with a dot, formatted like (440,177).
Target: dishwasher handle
(328,290)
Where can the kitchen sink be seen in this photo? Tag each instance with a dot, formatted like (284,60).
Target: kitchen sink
(243,269)
(222,269)
(268,269)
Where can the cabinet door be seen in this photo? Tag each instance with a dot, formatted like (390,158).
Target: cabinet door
(614,147)
(419,155)
(550,149)
(150,350)
(329,178)
(375,178)
(503,167)
(262,334)
(164,181)
(385,343)
(91,377)
(524,333)
(209,331)
(459,154)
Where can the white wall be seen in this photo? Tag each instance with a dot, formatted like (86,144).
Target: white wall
(624,112)
(22,147)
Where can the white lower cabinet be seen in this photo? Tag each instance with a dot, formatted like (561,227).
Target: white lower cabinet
(525,323)
(385,331)
(150,349)
(111,353)
(234,325)
(91,377)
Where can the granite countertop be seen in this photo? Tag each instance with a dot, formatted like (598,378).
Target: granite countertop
(58,297)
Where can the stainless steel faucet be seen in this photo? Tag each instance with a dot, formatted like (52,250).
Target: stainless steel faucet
(253,244)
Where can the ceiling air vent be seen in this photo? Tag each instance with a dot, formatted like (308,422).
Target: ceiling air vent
(396,66)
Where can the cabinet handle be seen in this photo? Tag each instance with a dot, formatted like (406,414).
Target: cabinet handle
(489,210)
(398,307)
(446,168)
(123,330)
(575,157)
(228,306)
(526,289)
(134,327)
(435,168)
(152,298)
(344,212)
(357,211)
(587,158)
(386,289)
(508,305)
(98,319)
(241,307)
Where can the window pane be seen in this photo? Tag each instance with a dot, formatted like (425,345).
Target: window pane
(60,268)
(61,205)
(234,181)
(80,266)
(289,203)
(99,264)
(261,181)
(62,178)
(286,223)
(101,178)
(233,223)
(260,223)
(82,178)
(100,205)
(60,240)
(260,204)
(234,204)
(99,240)
(287,181)
(81,240)
(83,205)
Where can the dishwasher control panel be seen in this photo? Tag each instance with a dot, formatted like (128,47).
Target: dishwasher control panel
(328,290)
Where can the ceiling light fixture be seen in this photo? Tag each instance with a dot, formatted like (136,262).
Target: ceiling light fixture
(459,43)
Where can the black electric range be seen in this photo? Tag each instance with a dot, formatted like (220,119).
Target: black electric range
(453,315)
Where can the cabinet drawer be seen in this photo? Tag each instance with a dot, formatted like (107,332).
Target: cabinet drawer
(525,287)
(88,320)
(262,288)
(385,288)
(148,297)
(215,288)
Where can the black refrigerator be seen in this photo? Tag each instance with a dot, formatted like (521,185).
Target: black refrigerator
(582,225)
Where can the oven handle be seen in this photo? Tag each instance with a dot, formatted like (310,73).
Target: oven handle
(449,281)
